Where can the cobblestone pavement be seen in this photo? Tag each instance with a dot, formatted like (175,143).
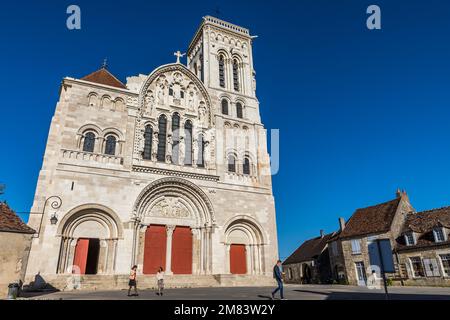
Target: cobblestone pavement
(292,292)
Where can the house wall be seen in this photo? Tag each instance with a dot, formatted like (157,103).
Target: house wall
(13,258)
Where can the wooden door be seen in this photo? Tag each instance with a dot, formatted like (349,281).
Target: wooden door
(81,254)
(238,259)
(182,251)
(154,249)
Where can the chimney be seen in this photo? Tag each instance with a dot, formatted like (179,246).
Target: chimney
(341,224)
(398,193)
(321,233)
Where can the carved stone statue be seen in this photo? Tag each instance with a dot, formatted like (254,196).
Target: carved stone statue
(202,115)
(190,100)
(161,94)
(181,150)
(154,146)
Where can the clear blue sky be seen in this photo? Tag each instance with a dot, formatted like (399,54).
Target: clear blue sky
(360,112)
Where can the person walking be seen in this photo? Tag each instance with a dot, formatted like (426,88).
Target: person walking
(277,274)
(160,280)
(132,282)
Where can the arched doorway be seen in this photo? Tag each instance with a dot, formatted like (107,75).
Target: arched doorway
(173,228)
(89,236)
(244,243)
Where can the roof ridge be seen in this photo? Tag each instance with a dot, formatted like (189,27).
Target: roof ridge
(432,210)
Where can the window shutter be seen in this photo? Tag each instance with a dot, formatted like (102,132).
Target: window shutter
(428,271)
(436,271)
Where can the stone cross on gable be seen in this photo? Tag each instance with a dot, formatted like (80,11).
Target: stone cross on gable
(178,54)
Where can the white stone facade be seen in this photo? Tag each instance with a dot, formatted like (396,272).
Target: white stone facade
(114,197)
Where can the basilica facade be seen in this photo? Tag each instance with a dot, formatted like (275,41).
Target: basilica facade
(169,169)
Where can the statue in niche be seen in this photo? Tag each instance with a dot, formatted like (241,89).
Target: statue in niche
(161,94)
(190,100)
(149,102)
(207,154)
(181,150)
(154,145)
(202,114)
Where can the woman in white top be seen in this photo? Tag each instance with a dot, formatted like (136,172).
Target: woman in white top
(160,279)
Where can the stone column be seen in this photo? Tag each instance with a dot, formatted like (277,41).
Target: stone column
(196,250)
(227,258)
(248,253)
(169,231)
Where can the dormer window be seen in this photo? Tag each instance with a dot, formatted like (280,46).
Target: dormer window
(410,239)
(439,235)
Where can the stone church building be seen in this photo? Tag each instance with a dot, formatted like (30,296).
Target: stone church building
(168,169)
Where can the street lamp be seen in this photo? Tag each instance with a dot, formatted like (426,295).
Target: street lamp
(54,219)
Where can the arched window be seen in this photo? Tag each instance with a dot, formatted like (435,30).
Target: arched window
(231,163)
(225,106)
(175,137)
(89,142)
(239,110)
(221,71)
(148,139)
(162,129)
(110,145)
(235,75)
(201,151)
(188,143)
(246,166)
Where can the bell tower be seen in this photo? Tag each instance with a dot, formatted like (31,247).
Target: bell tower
(220,54)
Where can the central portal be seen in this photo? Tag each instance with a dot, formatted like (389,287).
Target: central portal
(169,248)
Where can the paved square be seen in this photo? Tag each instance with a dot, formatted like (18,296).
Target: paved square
(292,292)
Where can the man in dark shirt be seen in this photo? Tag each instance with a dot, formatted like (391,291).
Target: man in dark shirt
(277,275)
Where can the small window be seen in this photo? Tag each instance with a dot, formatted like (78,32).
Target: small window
(89,142)
(417,267)
(231,164)
(221,71)
(225,106)
(239,110)
(188,143)
(162,129)
(110,146)
(170,92)
(148,139)
(445,259)
(356,246)
(246,166)
(409,239)
(439,235)
(235,75)
(201,151)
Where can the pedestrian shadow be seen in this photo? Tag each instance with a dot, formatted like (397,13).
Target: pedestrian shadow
(264,297)
(333,295)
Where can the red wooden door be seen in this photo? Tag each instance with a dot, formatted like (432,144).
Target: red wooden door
(81,254)
(238,261)
(154,249)
(182,251)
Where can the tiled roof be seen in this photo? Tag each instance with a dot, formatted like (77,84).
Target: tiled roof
(103,76)
(309,249)
(374,219)
(10,222)
(423,223)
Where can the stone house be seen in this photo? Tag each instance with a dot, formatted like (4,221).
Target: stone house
(310,262)
(419,240)
(423,248)
(15,243)
(349,248)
